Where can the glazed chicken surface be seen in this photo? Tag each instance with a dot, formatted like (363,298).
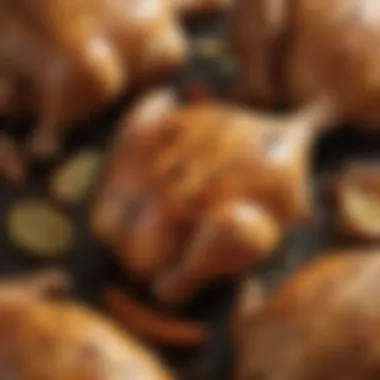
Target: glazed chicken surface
(294,51)
(322,324)
(62,60)
(43,338)
(195,193)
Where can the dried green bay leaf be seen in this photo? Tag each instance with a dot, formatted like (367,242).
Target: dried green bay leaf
(39,228)
(73,180)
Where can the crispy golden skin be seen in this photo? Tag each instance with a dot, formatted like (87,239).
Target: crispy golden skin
(297,50)
(59,340)
(62,60)
(322,324)
(200,192)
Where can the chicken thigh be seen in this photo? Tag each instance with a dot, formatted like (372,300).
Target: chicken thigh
(43,338)
(296,51)
(62,60)
(322,324)
(195,193)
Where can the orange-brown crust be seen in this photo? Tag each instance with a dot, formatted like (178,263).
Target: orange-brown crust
(303,49)
(63,60)
(322,324)
(60,340)
(193,194)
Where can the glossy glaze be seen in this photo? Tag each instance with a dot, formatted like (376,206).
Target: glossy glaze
(322,324)
(295,51)
(200,192)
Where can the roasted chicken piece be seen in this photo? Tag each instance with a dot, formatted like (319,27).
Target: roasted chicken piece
(295,51)
(195,193)
(322,324)
(43,338)
(357,195)
(63,60)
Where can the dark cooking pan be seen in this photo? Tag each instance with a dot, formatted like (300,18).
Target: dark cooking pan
(91,266)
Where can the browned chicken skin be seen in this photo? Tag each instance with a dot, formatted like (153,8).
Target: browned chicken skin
(322,324)
(61,60)
(200,192)
(48,339)
(298,50)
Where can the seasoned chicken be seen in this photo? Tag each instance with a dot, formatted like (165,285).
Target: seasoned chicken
(196,193)
(42,338)
(322,324)
(62,60)
(294,51)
